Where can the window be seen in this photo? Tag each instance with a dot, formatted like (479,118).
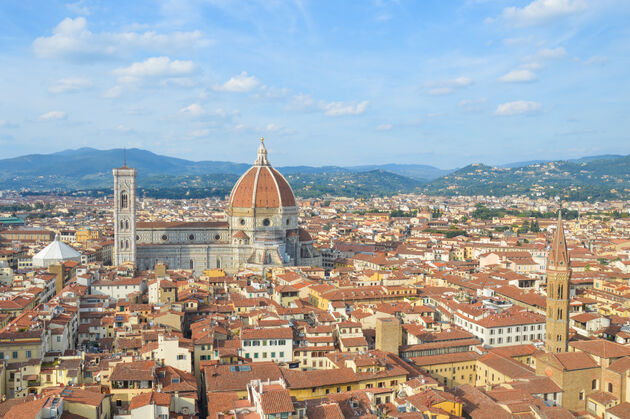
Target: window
(594,385)
(58,338)
(124,199)
(266,222)
(28,354)
(581,395)
(180,357)
(14,355)
(255,354)
(281,354)
(610,387)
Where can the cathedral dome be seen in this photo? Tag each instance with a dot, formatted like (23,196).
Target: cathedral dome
(262,186)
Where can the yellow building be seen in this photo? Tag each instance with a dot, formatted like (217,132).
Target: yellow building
(452,369)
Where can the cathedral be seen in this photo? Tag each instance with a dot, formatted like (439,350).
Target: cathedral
(261,230)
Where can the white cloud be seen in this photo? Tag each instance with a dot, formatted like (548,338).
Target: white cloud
(200,132)
(72,40)
(154,67)
(541,11)
(472,105)
(53,116)
(596,59)
(70,84)
(444,87)
(79,8)
(436,91)
(519,107)
(123,128)
(384,127)
(518,76)
(552,53)
(342,108)
(273,127)
(112,92)
(301,102)
(239,83)
(193,110)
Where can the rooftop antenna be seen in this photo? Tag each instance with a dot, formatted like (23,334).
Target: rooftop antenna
(125,156)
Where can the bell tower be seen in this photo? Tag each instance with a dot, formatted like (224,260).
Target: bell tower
(558,276)
(124,215)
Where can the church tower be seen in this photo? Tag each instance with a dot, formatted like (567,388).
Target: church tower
(124,215)
(558,276)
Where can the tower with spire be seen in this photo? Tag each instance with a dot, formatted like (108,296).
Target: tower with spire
(558,276)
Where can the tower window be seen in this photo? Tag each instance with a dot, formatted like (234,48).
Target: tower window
(124,199)
(192,264)
(288,221)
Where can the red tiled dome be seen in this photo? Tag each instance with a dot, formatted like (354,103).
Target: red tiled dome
(262,187)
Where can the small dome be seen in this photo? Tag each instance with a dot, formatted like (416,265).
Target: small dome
(262,186)
(55,252)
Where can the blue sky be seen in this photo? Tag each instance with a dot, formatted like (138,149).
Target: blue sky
(445,83)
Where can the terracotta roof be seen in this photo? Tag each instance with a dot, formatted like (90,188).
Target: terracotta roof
(145,399)
(276,401)
(133,371)
(601,348)
(262,187)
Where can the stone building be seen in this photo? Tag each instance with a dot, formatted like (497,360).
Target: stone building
(261,231)
(558,276)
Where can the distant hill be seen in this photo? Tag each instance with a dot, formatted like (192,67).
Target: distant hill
(587,178)
(601,177)
(89,168)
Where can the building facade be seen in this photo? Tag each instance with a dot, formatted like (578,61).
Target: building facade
(261,230)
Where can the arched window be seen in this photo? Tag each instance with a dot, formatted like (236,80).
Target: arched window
(126,244)
(192,264)
(122,244)
(124,199)
(122,224)
(610,387)
(594,385)
(126,225)
(219,263)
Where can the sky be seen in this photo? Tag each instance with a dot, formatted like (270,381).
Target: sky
(444,83)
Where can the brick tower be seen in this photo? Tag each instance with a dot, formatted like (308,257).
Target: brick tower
(558,276)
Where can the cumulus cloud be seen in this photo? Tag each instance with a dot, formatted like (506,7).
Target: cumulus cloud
(70,84)
(154,67)
(300,102)
(519,107)
(240,83)
(112,92)
(518,76)
(343,108)
(552,53)
(445,87)
(72,40)
(542,11)
(384,127)
(193,110)
(53,116)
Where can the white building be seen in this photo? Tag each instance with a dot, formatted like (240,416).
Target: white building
(271,344)
(170,353)
(119,289)
(512,327)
